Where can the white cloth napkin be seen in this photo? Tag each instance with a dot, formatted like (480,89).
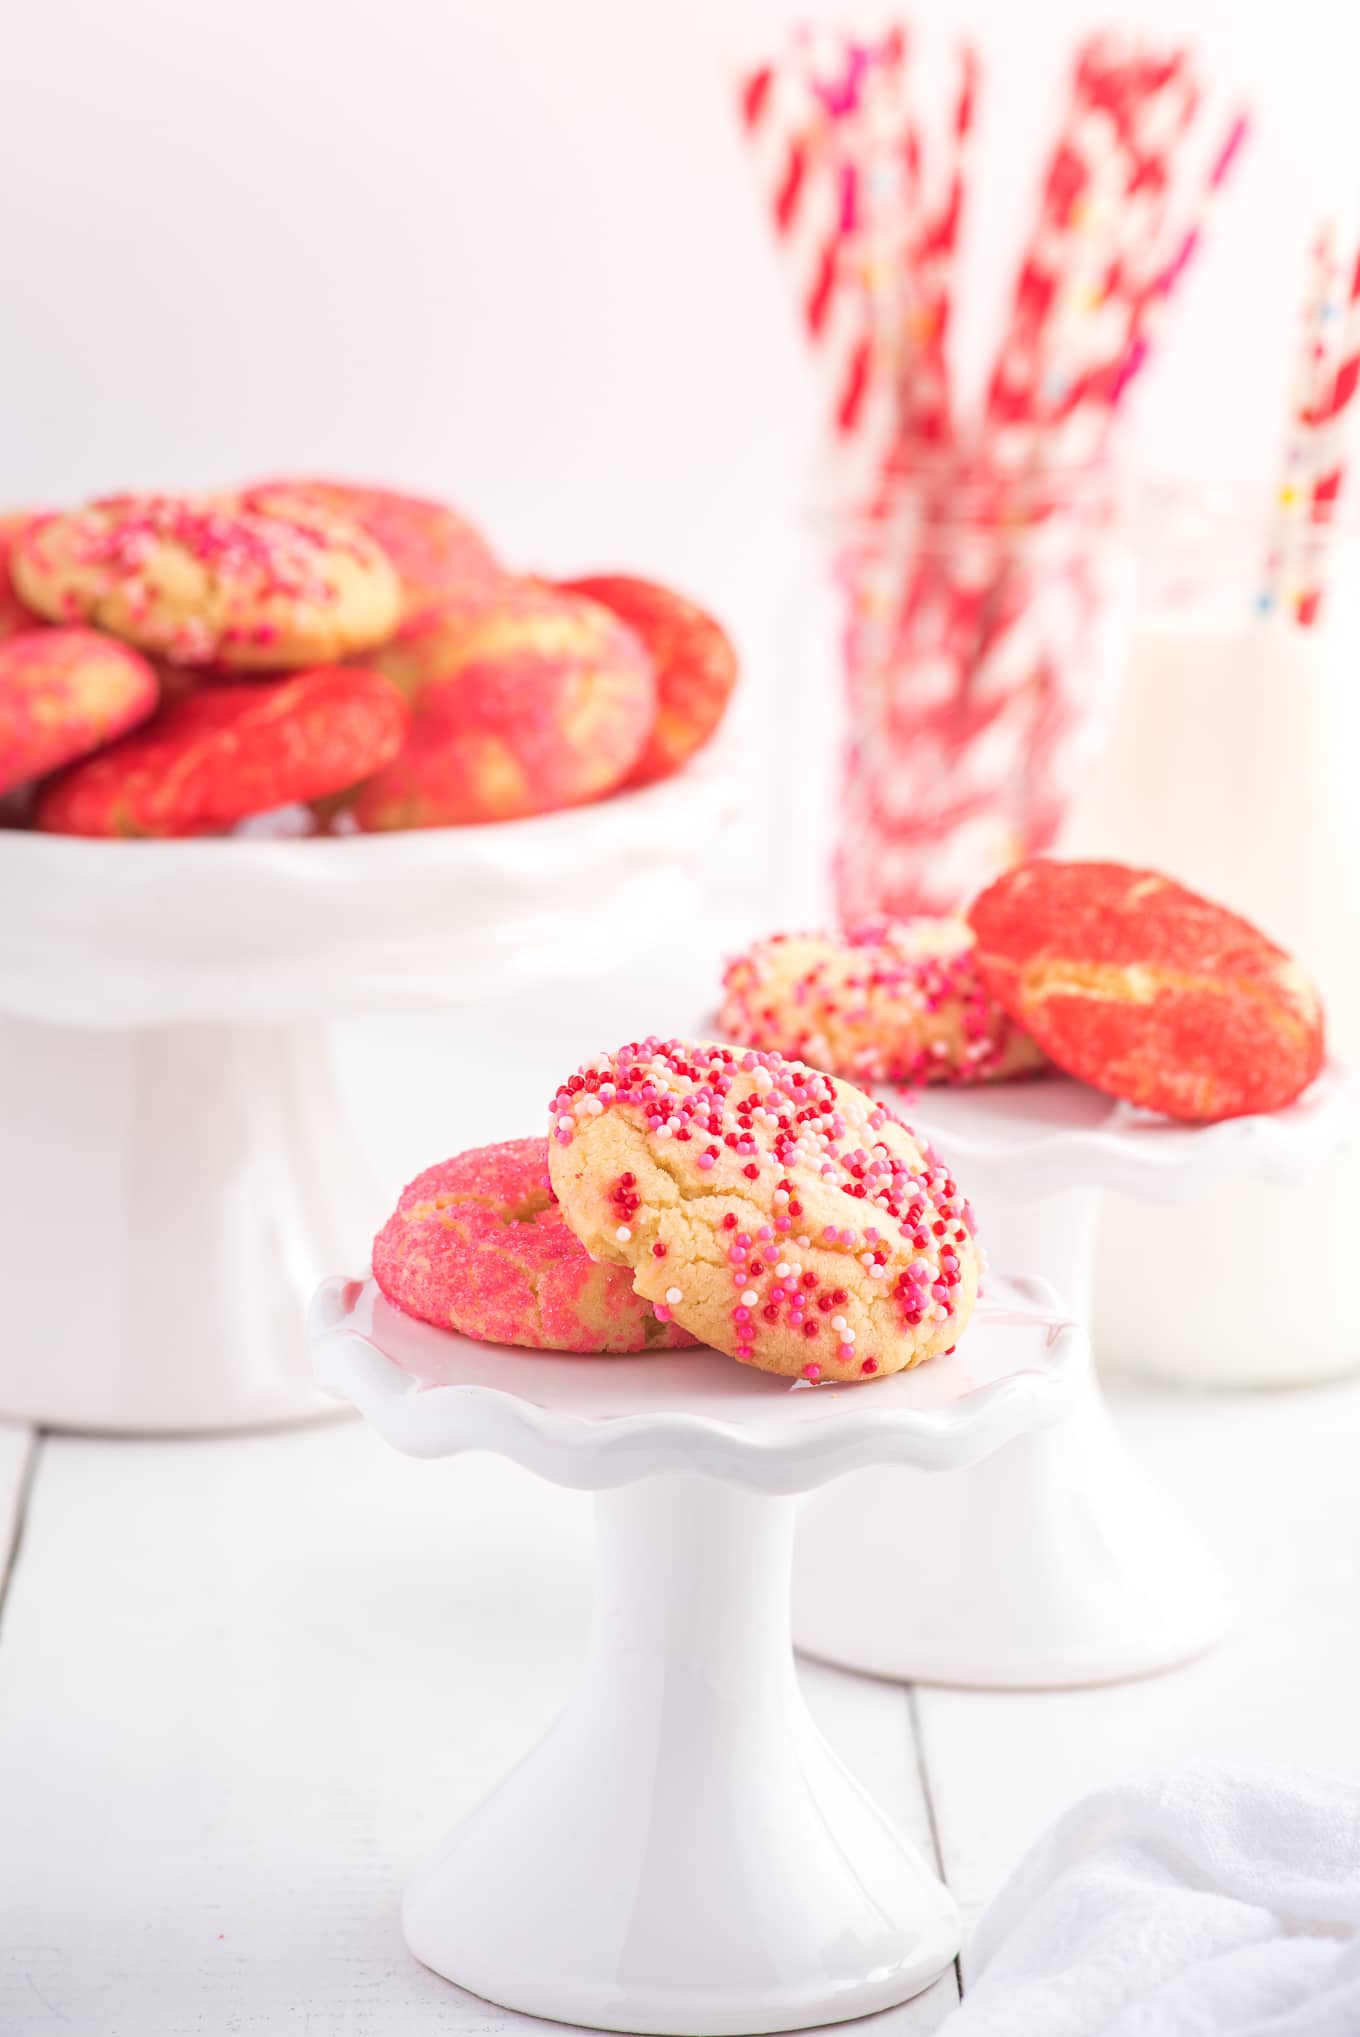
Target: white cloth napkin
(1222,1902)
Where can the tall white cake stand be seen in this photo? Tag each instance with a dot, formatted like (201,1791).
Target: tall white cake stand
(683,1853)
(1055,1562)
(178,1171)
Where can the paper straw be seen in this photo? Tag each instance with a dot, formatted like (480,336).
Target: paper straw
(1328,425)
(1310,363)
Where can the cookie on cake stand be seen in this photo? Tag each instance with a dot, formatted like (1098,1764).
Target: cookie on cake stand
(1056,1562)
(683,1852)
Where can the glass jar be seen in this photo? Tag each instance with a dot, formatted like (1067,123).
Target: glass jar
(956,686)
(1234,765)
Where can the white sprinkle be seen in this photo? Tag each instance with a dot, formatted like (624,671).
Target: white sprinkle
(565,1124)
(878,1273)
(805,1241)
(749,1298)
(781,1195)
(782,1270)
(838,1323)
(623,1234)
(673,1295)
(663,1131)
(867,1259)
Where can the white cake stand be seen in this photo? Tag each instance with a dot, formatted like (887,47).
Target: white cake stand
(1055,1562)
(683,1853)
(178,1174)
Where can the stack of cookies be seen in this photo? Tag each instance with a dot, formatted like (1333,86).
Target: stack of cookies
(354,658)
(693,1193)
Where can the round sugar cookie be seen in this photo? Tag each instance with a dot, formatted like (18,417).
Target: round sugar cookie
(434,550)
(63,694)
(204,580)
(893,1001)
(523,700)
(696,666)
(477,1244)
(222,753)
(780,1215)
(1146,990)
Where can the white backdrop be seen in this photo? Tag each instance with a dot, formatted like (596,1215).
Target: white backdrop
(509,249)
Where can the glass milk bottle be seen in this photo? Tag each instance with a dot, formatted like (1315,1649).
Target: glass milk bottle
(1235,767)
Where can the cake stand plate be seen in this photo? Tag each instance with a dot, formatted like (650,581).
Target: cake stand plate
(683,1853)
(1055,1563)
(179,1171)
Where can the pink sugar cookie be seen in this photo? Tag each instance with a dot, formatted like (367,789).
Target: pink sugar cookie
(63,694)
(478,1244)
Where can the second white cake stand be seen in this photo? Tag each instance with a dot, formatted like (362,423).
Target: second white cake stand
(683,1853)
(1055,1562)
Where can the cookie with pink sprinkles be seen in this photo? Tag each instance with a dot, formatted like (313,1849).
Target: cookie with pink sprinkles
(779,1214)
(477,1244)
(893,1001)
(209,580)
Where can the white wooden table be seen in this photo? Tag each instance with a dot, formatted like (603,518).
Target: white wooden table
(229,1722)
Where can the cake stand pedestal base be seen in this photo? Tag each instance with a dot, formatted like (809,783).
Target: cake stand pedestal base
(700,1861)
(1054,1562)
(183,1187)
(683,1853)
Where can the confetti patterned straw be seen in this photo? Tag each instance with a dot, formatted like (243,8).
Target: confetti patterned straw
(1328,425)
(1309,370)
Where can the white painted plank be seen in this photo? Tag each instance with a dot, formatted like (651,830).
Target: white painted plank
(247,1684)
(1270,1480)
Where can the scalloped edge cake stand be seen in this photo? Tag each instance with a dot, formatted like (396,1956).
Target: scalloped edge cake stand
(1056,1563)
(179,1171)
(683,1852)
